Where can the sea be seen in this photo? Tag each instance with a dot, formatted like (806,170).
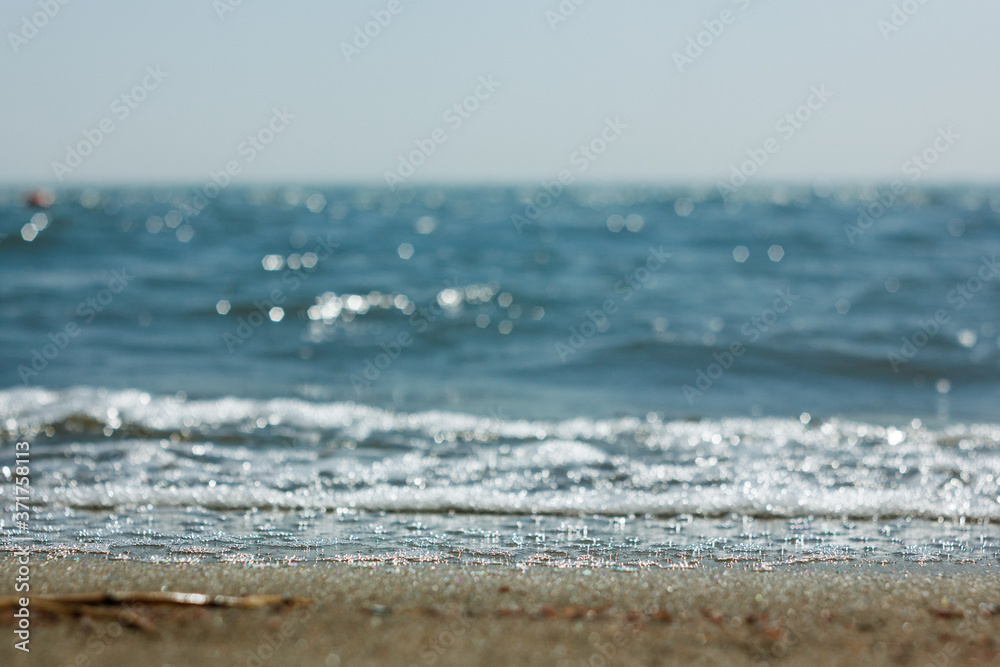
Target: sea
(593,376)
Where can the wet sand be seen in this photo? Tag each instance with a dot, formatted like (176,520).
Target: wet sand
(426,614)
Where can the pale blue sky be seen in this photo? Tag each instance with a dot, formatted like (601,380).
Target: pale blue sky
(609,59)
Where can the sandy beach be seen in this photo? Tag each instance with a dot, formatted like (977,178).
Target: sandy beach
(426,614)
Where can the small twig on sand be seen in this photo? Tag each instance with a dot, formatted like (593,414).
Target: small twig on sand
(113,604)
(164,597)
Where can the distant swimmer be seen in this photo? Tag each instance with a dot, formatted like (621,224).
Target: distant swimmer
(40,198)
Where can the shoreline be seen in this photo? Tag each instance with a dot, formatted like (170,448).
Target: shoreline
(432,614)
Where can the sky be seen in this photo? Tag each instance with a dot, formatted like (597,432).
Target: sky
(289,92)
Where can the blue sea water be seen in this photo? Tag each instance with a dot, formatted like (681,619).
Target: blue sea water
(633,374)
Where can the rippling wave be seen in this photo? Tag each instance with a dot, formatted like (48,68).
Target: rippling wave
(96,448)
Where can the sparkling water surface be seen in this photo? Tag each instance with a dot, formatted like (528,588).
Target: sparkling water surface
(635,376)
